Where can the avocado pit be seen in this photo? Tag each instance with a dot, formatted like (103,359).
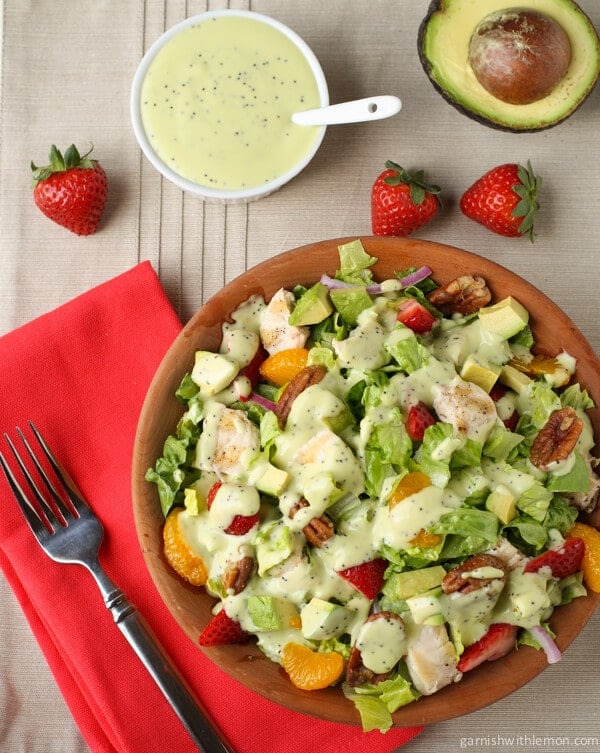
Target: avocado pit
(519,55)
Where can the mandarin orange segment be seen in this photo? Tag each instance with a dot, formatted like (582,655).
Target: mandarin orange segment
(179,553)
(590,564)
(310,670)
(413,482)
(539,365)
(426,539)
(280,368)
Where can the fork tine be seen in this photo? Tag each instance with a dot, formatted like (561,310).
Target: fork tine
(62,508)
(71,490)
(37,525)
(48,511)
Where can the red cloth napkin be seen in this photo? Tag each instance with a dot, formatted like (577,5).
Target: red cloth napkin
(81,373)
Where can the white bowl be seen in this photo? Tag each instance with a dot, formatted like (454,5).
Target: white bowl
(192,184)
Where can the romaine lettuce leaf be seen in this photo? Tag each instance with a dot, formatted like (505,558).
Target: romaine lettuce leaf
(523,338)
(173,471)
(571,588)
(377,703)
(535,501)
(387,452)
(501,442)
(561,515)
(187,389)
(355,264)
(466,456)
(406,349)
(468,530)
(527,534)
(434,454)
(374,714)
(538,400)
(576,480)
(269,431)
(377,382)
(573,396)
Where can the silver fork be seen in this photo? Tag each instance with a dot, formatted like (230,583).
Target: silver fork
(69,531)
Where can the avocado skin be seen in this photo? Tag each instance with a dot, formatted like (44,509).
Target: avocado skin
(436,6)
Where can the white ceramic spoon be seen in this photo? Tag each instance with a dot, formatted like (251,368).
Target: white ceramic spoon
(356,111)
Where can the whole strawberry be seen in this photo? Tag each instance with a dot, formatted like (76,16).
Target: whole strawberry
(504,200)
(71,190)
(400,202)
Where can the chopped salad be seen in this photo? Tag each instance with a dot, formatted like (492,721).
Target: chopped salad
(379,481)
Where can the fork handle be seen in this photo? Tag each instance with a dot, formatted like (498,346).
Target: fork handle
(188,708)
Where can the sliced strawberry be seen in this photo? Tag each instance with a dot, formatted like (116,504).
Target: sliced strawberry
(562,562)
(241,524)
(222,630)
(496,643)
(497,393)
(212,493)
(418,419)
(415,316)
(512,421)
(366,577)
(252,370)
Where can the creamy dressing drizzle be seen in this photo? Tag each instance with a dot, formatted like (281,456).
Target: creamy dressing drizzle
(324,468)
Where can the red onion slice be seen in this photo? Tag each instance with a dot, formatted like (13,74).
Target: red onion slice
(375,289)
(415,277)
(262,401)
(546,641)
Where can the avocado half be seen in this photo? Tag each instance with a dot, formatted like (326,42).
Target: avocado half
(443,43)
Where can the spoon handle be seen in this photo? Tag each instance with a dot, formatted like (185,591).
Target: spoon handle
(355,111)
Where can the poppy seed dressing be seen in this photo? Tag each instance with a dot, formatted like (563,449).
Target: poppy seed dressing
(217,101)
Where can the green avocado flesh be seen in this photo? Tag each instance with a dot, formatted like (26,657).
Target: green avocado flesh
(444,39)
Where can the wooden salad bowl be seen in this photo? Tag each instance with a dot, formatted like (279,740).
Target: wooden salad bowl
(191,607)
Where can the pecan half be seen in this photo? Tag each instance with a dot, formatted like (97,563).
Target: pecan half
(458,579)
(318,530)
(237,575)
(356,672)
(306,378)
(556,439)
(300,505)
(463,295)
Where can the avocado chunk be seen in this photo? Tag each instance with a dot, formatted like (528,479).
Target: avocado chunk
(274,544)
(426,609)
(312,307)
(400,586)
(444,40)
(514,379)
(322,620)
(480,372)
(502,503)
(212,372)
(193,504)
(505,318)
(269,479)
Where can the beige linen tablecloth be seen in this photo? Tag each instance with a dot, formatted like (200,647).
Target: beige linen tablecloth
(66,73)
